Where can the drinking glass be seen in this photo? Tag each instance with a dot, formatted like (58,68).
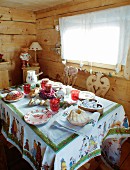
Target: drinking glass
(55,104)
(44,82)
(74,95)
(68,89)
(26,88)
(48,88)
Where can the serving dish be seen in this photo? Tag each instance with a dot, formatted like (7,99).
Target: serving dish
(38,117)
(11,101)
(44,95)
(91,105)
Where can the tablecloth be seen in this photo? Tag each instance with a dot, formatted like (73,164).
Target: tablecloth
(64,149)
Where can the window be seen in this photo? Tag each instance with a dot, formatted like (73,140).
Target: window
(101,37)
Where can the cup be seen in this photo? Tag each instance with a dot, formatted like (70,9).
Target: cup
(26,88)
(44,82)
(55,104)
(75,94)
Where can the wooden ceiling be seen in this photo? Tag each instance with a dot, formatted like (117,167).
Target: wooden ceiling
(33,5)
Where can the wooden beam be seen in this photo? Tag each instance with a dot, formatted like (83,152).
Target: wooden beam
(89,5)
(12,27)
(11,14)
(22,15)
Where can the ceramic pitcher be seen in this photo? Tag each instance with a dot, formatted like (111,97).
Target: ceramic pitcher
(31,77)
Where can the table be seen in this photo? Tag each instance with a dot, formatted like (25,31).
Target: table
(51,148)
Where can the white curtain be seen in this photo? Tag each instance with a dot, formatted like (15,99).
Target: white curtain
(76,32)
(127,67)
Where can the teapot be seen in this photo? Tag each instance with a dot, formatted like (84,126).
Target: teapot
(32,77)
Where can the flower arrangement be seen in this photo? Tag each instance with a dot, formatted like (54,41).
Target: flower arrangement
(70,70)
(70,75)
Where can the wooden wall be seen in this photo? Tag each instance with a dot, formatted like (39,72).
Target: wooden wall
(50,62)
(17,29)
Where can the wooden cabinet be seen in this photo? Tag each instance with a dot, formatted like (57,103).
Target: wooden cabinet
(25,69)
(4,75)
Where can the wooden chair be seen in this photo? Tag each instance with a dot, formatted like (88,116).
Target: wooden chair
(98,84)
(70,75)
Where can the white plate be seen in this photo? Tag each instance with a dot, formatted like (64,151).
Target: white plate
(11,101)
(86,95)
(56,85)
(38,117)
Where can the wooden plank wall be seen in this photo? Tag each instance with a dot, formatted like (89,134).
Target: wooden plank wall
(47,36)
(17,29)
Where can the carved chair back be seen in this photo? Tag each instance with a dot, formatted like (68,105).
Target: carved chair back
(98,84)
(70,75)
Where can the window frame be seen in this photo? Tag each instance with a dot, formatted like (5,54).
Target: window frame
(94,64)
(121,62)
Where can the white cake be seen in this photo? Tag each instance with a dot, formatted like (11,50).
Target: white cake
(78,117)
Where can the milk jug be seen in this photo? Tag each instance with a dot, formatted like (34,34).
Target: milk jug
(31,77)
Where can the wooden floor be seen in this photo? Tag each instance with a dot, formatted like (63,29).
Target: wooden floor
(17,163)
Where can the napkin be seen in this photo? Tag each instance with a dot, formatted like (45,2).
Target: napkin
(61,129)
(63,123)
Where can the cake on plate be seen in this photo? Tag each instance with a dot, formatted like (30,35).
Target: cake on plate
(14,95)
(78,117)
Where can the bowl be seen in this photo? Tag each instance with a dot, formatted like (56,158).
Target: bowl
(92,106)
